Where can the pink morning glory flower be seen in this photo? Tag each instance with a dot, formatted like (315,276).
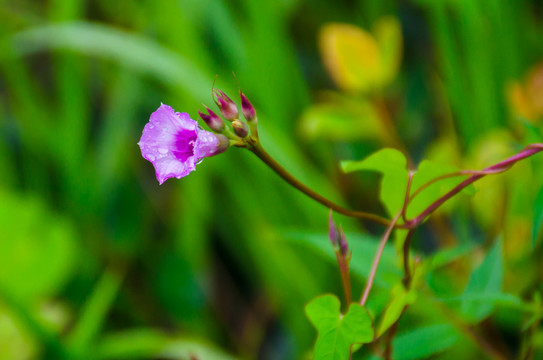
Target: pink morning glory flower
(174,143)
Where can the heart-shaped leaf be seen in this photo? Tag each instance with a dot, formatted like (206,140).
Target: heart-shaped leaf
(337,333)
(393,165)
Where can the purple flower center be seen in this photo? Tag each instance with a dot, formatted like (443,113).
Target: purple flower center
(184,144)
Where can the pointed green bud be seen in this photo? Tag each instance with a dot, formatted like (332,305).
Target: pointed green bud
(240,128)
(228,109)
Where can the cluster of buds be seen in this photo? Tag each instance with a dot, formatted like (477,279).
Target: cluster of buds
(239,130)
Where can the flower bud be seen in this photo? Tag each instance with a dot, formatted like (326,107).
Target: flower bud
(247,108)
(333,233)
(240,128)
(212,120)
(343,246)
(222,145)
(228,109)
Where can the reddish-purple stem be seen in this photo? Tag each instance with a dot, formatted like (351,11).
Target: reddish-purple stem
(503,165)
(384,240)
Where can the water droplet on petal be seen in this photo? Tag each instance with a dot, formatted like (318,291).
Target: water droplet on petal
(199,161)
(163,150)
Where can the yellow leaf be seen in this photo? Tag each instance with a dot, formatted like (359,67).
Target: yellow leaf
(526,99)
(351,56)
(489,202)
(518,101)
(388,34)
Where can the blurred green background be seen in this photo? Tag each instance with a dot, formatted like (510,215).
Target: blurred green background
(97,261)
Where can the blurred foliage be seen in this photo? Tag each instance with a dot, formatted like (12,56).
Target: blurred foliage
(99,262)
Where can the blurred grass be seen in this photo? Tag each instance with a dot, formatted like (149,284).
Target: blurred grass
(205,256)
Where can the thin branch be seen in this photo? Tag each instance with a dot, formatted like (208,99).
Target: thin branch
(382,244)
(499,167)
(451,175)
(259,151)
(256,148)
(377,259)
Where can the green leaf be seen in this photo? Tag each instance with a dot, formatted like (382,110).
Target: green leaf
(110,43)
(336,333)
(486,279)
(400,299)
(494,299)
(37,248)
(342,122)
(16,341)
(392,164)
(538,339)
(94,312)
(388,33)
(446,256)
(537,312)
(533,133)
(424,342)
(383,161)
(538,217)
(149,343)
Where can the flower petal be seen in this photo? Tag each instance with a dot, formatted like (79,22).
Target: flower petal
(170,167)
(206,145)
(174,143)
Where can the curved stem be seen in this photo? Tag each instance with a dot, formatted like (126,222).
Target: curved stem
(377,259)
(256,148)
(259,151)
(450,175)
(383,242)
(501,166)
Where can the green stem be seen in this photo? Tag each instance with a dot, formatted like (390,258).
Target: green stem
(345,279)
(259,151)
(406,265)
